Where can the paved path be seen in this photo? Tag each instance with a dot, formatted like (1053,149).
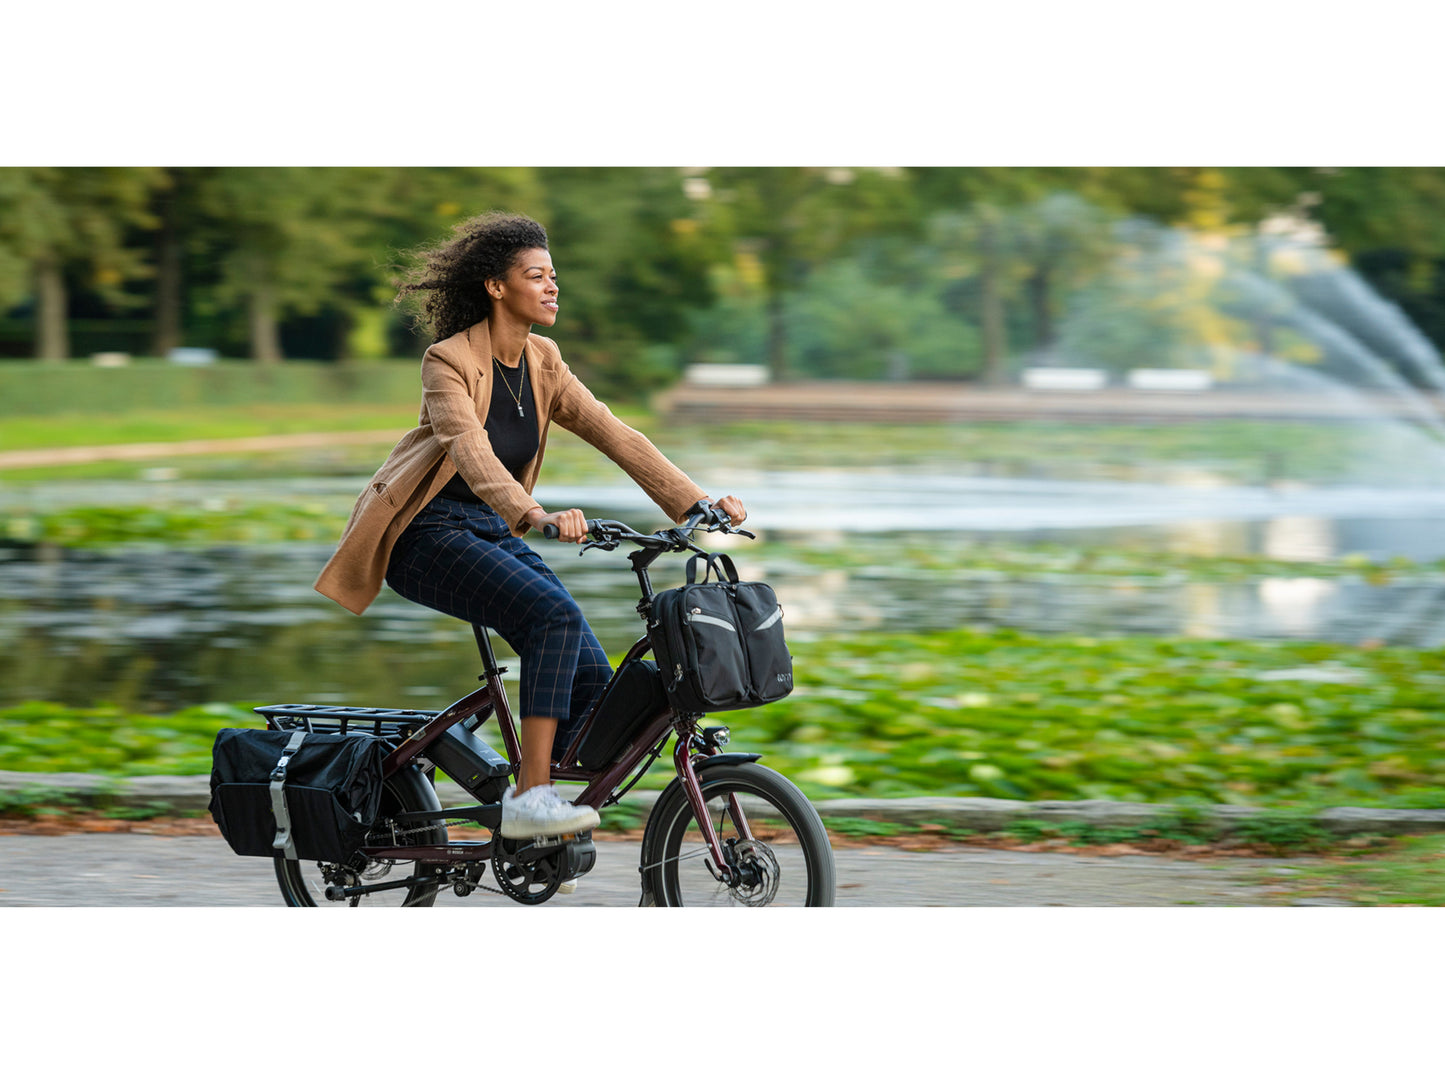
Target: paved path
(137,870)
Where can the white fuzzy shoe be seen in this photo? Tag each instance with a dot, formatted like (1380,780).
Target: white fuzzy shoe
(541,811)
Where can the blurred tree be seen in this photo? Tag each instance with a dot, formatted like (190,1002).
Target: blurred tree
(178,216)
(286,240)
(793,219)
(1373,209)
(984,243)
(847,323)
(75,221)
(1063,239)
(1388,221)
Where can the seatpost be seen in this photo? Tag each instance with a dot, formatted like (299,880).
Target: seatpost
(484,645)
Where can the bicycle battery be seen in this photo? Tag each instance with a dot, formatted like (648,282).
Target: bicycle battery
(478,768)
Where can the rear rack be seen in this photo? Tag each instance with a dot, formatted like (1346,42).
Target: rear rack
(331,719)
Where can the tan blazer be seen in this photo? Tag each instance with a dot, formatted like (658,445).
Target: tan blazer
(456,376)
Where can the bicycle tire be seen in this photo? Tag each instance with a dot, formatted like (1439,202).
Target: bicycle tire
(303,883)
(796,871)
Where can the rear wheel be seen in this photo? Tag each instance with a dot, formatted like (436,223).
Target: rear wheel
(303,883)
(779,849)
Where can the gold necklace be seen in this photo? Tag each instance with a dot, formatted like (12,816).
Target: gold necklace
(521,384)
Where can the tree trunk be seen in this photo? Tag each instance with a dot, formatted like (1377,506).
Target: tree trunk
(265,331)
(994,347)
(777,337)
(991,302)
(1043,318)
(166,335)
(52,337)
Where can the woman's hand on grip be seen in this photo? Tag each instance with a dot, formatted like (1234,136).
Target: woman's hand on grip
(571,525)
(736,513)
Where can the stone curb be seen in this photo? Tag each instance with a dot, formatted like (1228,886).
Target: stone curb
(189,793)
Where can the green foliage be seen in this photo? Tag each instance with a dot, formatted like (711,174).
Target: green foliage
(79,217)
(33,800)
(864,827)
(618,818)
(1180,825)
(847,325)
(105,526)
(1282,831)
(104,740)
(1008,715)
(241,258)
(998,714)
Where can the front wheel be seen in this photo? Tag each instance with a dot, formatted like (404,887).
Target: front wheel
(778,847)
(303,883)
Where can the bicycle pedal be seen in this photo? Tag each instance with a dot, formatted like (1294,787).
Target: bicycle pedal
(566,888)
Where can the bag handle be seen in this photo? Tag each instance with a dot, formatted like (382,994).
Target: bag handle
(720,563)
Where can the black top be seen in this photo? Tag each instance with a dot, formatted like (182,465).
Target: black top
(513,436)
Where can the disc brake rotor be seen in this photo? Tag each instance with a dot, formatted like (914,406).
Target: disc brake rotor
(759,871)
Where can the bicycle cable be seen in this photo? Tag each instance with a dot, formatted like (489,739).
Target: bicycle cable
(656,752)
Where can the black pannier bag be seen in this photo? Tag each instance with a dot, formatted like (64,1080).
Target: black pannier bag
(634,699)
(719,645)
(295,793)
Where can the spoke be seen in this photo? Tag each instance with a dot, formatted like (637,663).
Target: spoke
(703,850)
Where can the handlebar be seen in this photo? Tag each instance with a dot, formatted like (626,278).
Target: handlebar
(610,533)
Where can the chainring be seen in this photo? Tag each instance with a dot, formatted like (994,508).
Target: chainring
(516,878)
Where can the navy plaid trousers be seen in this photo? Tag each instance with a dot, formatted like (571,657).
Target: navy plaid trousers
(459,557)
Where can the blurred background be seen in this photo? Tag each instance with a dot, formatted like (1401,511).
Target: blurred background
(1074,482)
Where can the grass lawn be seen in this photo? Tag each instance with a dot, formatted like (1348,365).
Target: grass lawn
(70,430)
(1408,872)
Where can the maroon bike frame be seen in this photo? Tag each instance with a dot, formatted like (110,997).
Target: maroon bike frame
(491,699)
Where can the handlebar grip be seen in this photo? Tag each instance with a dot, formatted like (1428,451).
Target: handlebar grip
(550,532)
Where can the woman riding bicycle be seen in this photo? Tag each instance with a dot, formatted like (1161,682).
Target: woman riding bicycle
(442,520)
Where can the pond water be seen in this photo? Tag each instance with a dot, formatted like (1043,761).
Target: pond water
(155,628)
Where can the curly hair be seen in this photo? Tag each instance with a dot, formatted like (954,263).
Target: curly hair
(452,273)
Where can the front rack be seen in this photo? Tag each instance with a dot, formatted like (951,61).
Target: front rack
(331,719)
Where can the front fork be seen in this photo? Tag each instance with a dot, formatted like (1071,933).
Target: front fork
(682,760)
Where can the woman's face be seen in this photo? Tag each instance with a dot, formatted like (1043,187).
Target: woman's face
(529,292)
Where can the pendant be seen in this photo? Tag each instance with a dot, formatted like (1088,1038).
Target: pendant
(520,412)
